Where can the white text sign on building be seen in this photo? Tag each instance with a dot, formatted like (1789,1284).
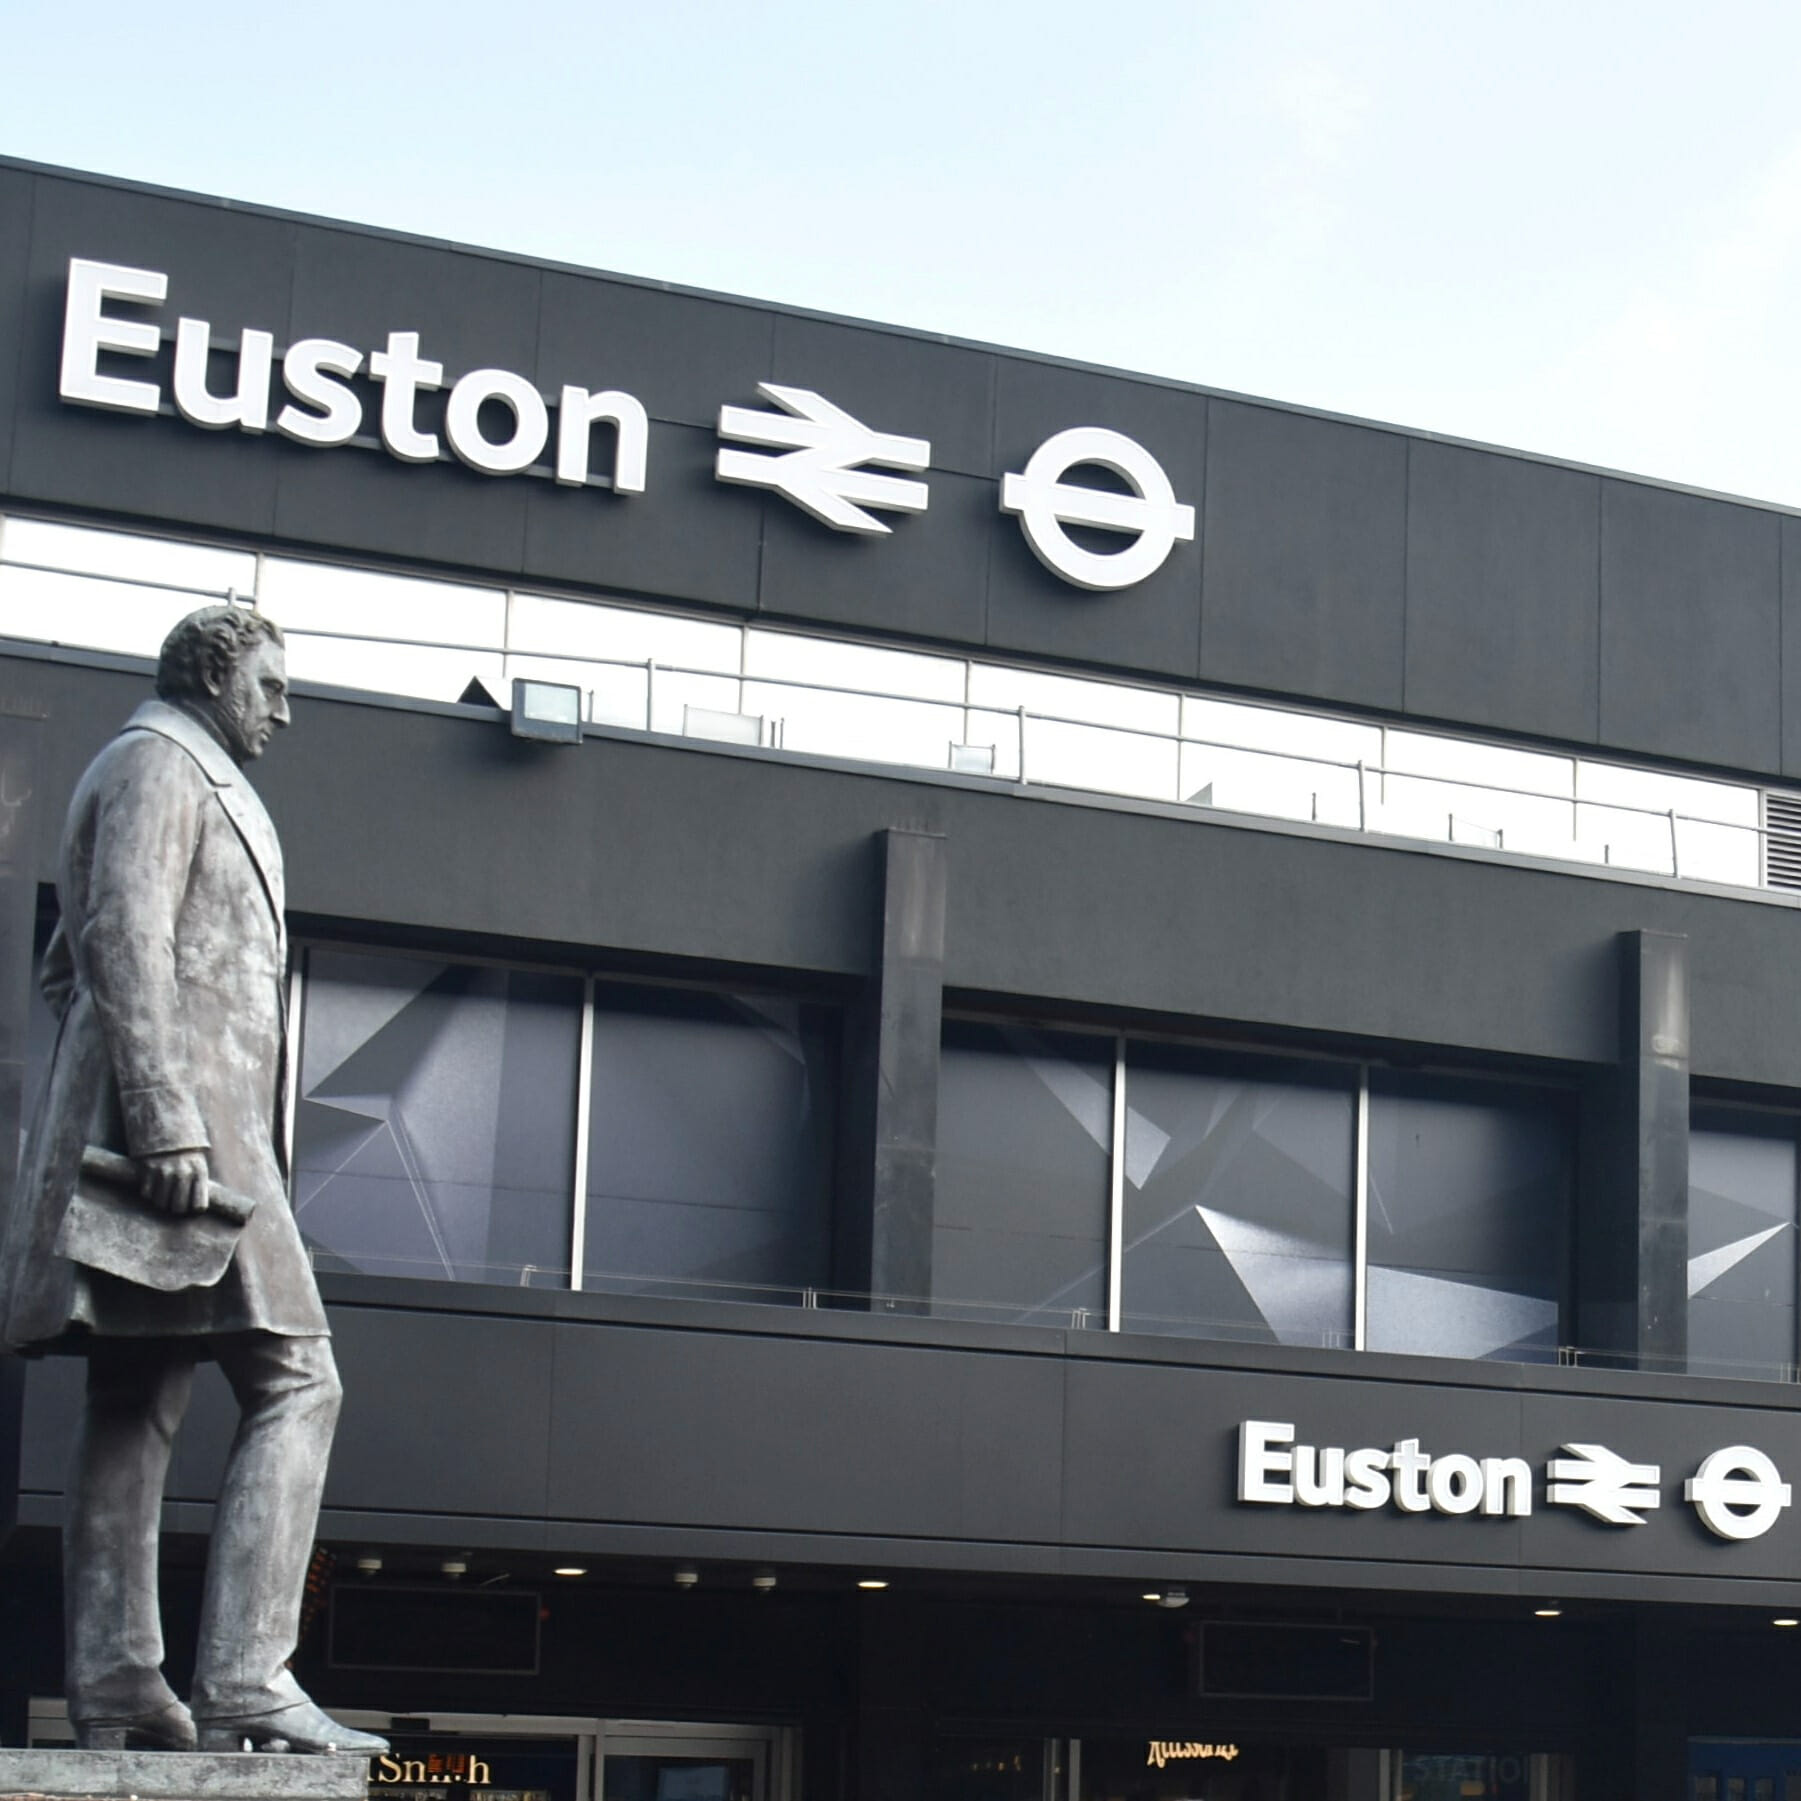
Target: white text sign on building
(813,453)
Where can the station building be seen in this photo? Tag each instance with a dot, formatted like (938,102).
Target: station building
(1011,1083)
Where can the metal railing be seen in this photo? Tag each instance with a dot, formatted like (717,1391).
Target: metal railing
(1363,804)
(1372,814)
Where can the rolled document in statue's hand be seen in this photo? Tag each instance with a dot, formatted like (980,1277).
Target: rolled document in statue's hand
(121,1172)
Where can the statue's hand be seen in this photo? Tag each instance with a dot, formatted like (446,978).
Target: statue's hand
(174,1181)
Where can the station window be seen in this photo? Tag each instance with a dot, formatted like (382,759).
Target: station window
(435,1131)
(1468,1217)
(1741,1222)
(1019,1229)
(1238,1198)
(709,1145)
(1248,1197)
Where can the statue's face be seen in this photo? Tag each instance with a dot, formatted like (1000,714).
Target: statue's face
(252,703)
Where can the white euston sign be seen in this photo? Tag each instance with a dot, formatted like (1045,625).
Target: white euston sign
(1737,1493)
(814,454)
(323,410)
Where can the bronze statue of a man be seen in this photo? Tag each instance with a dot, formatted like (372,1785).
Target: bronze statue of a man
(168,974)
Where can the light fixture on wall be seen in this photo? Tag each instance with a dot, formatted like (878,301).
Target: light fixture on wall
(872,1582)
(570,1569)
(550,712)
(1174,1597)
(455,1568)
(368,1566)
(687,1576)
(763,1581)
(1549,1610)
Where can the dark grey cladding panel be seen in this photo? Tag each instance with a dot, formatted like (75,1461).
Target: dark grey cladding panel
(928,576)
(1503,592)
(1304,585)
(16,191)
(1791,648)
(912,386)
(53,1390)
(1153,625)
(682,355)
(804,1435)
(471,311)
(360,498)
(1691,628)
(443,1413)
(686,537)
(683,851)
(232,269)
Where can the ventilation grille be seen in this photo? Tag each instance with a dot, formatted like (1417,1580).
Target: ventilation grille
(1782,840)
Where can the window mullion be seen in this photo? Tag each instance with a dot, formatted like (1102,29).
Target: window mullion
(1360,1218)
(1116,1187)
(584,1086)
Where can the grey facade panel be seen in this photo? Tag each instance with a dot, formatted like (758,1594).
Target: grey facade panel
(928,578)
(940,392)
(774,1433)
(16,190)
(1503,592)
(1690,627)
(471,312)
(492,1384)
(683,355)
(365,500)
(684,538)
(1791,649)
(1305,556)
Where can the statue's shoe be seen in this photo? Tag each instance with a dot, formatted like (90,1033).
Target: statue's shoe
(167,1729)
(302,1727)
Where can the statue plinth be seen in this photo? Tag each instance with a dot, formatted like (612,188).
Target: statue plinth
(65,1775)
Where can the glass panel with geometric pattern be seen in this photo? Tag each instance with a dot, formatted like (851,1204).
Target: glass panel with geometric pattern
(709,1145)
(1741,1243)
(1025,1126)
(1469,1217)
(1238,1198)
(435,1135)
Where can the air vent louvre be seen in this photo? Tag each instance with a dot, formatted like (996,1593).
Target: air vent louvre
(1782,840)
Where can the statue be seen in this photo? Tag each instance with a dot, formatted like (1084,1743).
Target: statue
(168,974)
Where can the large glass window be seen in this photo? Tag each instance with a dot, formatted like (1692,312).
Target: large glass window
(1025,1130)
(1468,1218)
(1741,1242)
(435,1134)
(709,1144)
(1238,1199)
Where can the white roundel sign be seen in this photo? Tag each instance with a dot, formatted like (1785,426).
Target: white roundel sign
(1150,515)
(1738,1492)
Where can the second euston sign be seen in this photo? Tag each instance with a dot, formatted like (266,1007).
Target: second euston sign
(808,450)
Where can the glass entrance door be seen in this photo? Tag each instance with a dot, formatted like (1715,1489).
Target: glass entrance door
(654,1762)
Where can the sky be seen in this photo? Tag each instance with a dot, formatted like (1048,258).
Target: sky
(1570,228)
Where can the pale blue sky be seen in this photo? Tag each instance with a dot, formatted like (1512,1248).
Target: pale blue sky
(1574,228)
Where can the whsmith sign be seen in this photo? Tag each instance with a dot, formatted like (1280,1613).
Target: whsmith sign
(807,449)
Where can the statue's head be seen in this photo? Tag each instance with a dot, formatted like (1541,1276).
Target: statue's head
(227,664)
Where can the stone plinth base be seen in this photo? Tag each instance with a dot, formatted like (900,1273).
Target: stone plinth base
(57,1775)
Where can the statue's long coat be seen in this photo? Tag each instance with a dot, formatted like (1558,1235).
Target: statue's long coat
(168,971)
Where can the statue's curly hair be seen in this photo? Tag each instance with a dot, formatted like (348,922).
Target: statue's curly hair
(207,643)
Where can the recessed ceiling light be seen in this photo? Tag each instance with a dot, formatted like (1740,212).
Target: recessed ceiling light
(569,1569)
(872,1582)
